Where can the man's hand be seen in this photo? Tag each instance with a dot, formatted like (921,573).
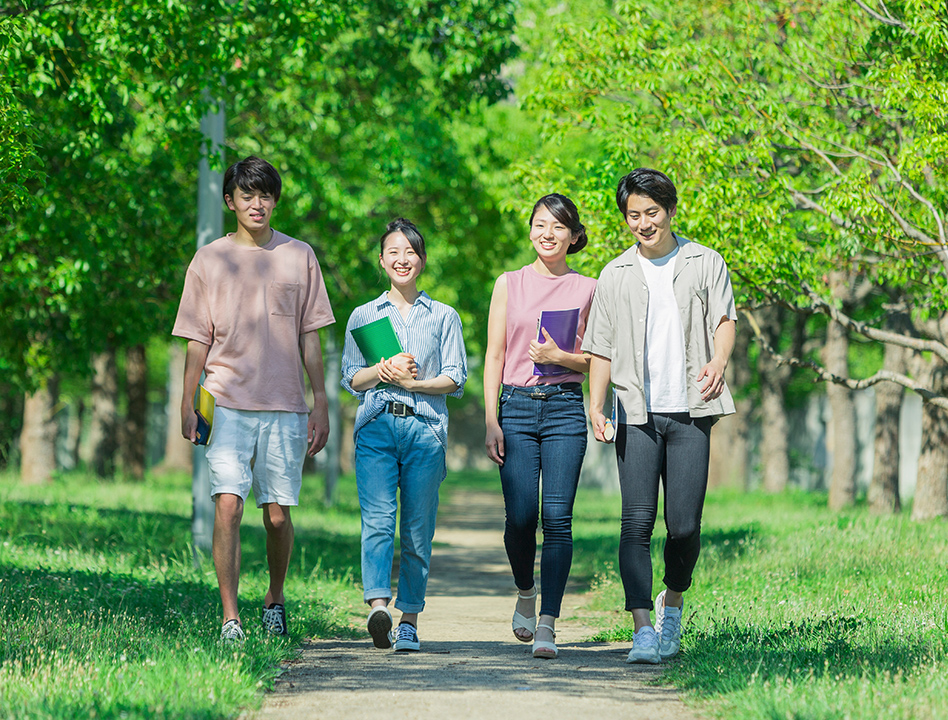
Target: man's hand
(189,424)
(713,374)
(598,421)
(317,429)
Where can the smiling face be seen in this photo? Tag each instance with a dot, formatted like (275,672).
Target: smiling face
(650,223)
(550,237)
(253,209)
(400,261)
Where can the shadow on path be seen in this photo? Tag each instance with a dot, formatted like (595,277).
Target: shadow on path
(470,665)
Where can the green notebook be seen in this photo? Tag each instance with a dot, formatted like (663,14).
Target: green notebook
(377,340)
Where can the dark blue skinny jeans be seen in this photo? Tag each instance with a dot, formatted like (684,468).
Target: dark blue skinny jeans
(544,434)
(674,448)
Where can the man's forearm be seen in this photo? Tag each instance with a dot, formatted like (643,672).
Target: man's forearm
(600,374)
(313,363)
(193,367)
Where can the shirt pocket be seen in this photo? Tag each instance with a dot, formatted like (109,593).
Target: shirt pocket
(284,298)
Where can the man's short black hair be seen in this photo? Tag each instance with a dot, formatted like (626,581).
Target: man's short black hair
(252,173)
(648,183)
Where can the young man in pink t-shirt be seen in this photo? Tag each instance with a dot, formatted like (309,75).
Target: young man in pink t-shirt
(252,303)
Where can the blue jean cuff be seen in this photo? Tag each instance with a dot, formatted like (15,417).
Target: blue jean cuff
(409,607)
(377,594)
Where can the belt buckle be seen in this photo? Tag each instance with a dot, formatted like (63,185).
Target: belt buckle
(399,409)
(537,394)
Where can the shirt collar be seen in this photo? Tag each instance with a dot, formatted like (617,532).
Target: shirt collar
(630,256)
(423,299)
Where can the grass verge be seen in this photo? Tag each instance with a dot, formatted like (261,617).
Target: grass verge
(103,613)
(796,612)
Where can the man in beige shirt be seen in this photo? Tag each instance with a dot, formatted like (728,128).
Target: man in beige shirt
(252,303)
(661,330)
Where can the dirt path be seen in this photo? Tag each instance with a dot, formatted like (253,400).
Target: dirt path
(470,666)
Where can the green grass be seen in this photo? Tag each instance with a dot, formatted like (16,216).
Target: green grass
(103,614)
(796,612)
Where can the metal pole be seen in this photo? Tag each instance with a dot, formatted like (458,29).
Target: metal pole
(333,450)
(210,226)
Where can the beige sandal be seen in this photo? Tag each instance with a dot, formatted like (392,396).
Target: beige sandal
(521,622)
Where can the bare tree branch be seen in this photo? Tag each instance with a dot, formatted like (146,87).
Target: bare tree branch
(885,336)
(823,374)
(886,19)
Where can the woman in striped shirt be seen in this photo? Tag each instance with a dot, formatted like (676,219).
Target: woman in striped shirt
(401,431)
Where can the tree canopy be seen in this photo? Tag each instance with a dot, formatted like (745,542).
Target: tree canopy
(360,104)
(805,139)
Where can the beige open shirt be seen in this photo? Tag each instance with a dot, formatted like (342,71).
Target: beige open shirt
(616,327)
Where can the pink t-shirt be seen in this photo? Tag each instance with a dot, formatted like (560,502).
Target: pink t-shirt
(251,305)
(528,294)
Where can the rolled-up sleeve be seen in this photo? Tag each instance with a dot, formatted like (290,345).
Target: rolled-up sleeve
(453,353)
(352,358)
(600,335)
(720,293)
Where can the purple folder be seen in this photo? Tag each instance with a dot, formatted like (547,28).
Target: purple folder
(561,324)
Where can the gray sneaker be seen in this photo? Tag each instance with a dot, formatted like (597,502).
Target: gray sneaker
(231,632)
(274,620)
(645,647)
(668,627)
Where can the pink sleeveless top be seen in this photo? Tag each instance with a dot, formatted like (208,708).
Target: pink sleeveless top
(528,294)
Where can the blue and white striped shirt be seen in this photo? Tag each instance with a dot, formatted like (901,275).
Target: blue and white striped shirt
(432,334)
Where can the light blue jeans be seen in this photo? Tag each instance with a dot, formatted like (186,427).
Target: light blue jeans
(398,456)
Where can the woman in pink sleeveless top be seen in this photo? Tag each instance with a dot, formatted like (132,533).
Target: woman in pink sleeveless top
(533,398)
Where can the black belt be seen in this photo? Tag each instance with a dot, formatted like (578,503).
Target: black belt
(543,392)
(399,409)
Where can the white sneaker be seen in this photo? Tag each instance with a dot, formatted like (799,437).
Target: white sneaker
(668,627)
(379,626)
(645,647)
(231,632)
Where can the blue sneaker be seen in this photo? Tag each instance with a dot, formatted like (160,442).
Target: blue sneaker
(406,638)
(645,647)
(668,627)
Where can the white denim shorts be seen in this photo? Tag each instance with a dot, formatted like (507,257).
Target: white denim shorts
(259,449)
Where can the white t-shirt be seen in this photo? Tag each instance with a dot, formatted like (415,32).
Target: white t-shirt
(666,389)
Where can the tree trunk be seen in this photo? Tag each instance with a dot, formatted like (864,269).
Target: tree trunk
(134,432)
(38,436)
(74,434)
(103,427)
(179,453)
(884,487)
(774,379)
(931,487)
(841,434)
(11,423)
(729,438)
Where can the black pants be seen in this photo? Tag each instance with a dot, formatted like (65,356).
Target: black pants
(674,448)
